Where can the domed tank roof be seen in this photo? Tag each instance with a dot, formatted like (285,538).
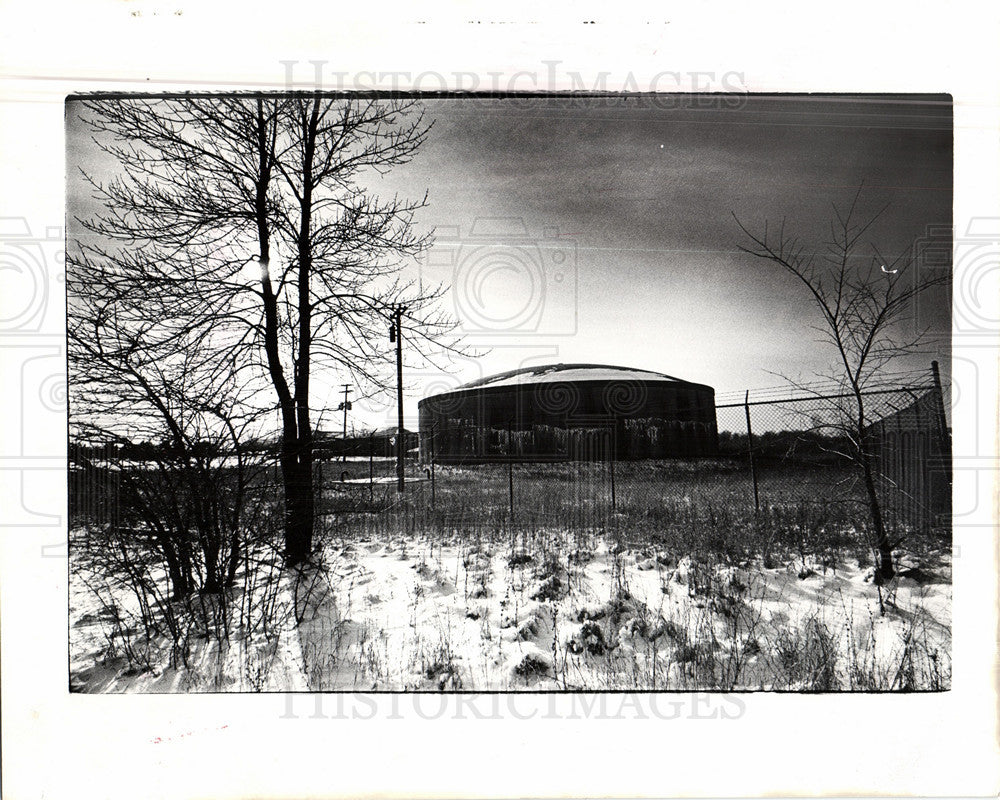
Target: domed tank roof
(570,373)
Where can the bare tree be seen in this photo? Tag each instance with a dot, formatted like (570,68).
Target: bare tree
(866,301)
(137,378)
(250,223)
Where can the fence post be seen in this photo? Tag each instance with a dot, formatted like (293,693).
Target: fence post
(371,467)
(753,467)
(942,419)
(910,465)
(611,464)
(433,430)
(945,448)
(510,467)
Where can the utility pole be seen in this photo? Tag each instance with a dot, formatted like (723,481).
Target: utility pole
(346,406)
(396,335)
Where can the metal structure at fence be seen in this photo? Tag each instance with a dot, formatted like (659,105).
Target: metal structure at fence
(911,448)
(94,483)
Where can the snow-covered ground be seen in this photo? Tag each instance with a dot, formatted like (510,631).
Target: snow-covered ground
(547,611)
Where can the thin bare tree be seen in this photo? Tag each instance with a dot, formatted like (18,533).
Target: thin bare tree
(866,302)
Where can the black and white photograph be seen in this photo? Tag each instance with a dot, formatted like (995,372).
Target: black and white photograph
(407,392)
(451,399)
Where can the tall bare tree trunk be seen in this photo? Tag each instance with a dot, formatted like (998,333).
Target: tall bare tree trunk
(298,514)
(884,569)
(301,510)
(296,440)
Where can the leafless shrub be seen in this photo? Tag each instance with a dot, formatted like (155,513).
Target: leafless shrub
(807,656)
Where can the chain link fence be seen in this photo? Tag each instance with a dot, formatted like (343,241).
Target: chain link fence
(810,448)
(776,453)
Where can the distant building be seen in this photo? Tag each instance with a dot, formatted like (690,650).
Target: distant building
(385,440)
(380,443)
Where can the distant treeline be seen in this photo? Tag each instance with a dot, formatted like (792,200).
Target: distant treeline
(812,446)
(150,451)
(324,446)
(808,445)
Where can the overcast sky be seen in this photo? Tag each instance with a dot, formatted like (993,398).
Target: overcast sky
(603,231)
(642,198)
